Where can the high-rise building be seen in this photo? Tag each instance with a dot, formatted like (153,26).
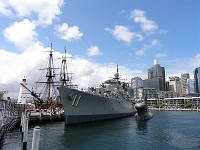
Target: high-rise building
(167,85)
(184,78)
(156,83)
(175,84)
(150,93)
(137,85)
(156,77)
(136,82)
(197,80)
(190,88)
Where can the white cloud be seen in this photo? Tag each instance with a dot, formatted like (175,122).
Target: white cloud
(26,63)
(155,43)
(14,67)
(152,45)
(161,55)
(139,16)
(22,34)
(94,51)
(163,31)
(87,73)
(45,10)
(140,52)
(194,62)
(122,33)
(184,66)
(4,10)
(68,33)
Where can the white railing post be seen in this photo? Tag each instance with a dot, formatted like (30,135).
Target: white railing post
(25,135)
(36,138)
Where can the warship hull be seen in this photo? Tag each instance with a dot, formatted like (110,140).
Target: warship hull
(81,107)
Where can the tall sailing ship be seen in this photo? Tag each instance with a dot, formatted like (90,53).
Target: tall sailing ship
(110,100)
(45,94)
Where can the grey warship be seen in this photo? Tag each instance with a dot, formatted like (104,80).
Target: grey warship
(108,101)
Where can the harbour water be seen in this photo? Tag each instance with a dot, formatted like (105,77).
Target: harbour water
(175,130)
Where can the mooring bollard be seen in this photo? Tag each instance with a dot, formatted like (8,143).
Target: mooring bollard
(25,135)
(36,138)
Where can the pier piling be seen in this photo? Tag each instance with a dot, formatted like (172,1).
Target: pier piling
(25,135)
(36,138)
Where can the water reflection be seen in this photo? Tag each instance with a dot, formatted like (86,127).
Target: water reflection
(97,134)
(167,130)
(141,125)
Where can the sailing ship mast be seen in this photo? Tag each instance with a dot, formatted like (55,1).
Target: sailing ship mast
(49,91)
(50,75)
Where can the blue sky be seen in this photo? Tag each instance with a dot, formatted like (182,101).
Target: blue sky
(99,35)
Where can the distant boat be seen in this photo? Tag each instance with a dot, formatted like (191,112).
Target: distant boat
(108,101)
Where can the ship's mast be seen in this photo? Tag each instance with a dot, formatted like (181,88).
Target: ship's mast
(64,78)
(64,74)
(50,76)
(116,75)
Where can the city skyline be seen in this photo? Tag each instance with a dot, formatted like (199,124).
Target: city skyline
(131,34)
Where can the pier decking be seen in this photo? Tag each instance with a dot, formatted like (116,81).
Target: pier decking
(37,117)
(8,119)
(11,114)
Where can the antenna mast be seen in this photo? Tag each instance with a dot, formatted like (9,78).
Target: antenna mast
(64,78)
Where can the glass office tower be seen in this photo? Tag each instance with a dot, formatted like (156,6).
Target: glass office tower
(197,80)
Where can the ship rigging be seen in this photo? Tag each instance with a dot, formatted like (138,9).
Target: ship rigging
(48,94)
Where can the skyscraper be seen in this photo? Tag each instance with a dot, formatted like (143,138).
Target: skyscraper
(156,73)
(184,78)
(137,85)
(175,84)
(197,80)
(190,88)
(136,82)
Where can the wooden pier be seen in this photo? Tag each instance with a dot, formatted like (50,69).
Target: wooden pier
(43,117)
(8,119)
(11,114)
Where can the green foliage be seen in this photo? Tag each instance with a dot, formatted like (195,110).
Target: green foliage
(186,105)
(159,105)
